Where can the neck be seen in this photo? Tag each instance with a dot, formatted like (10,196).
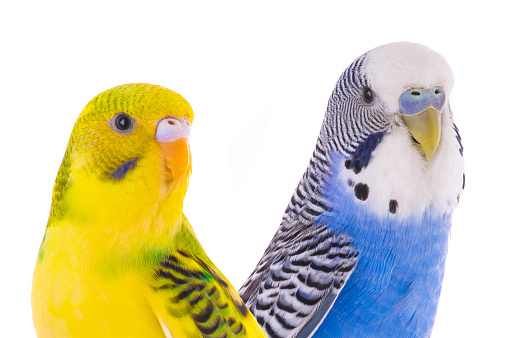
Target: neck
(122,213)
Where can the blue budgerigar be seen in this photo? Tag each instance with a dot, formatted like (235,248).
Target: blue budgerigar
(361,249)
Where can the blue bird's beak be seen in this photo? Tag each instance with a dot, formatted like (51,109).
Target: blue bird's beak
(421,111)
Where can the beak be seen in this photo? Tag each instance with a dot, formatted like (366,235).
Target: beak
(172,134)
(421,112)
(425,128)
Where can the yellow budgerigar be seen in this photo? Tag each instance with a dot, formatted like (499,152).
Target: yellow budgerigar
(119,258)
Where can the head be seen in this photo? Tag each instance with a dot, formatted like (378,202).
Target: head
(389,119)
(400,85)
(127,154)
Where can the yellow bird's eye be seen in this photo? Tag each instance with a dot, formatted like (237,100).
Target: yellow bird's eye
(122,123)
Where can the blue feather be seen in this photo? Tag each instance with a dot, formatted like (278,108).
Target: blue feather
(395,287)
(362,155)
(122,170)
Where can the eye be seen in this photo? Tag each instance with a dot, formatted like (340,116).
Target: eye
(123,123)
(367,95)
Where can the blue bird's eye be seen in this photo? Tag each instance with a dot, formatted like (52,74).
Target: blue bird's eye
(367,95)
(123,123)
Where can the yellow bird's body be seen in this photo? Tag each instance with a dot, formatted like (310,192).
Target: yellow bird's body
(119,259)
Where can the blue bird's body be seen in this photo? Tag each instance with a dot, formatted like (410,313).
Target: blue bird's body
(361,249)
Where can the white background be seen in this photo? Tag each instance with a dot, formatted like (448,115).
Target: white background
(258,78)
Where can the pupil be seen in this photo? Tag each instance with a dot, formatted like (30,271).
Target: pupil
(367,95)
(123,122)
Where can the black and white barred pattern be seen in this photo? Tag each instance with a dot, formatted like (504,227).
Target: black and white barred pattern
(305,266)
(348,122)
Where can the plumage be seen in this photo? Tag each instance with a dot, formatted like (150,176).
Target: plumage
(119,258)
(361,248)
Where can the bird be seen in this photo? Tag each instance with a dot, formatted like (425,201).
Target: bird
(118,257)
(362,244)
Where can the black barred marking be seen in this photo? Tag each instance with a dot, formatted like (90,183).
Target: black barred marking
(463,185)
(212,291)
(393,206)
(241,306)
(301,263)
(320,252)
(162,287)
(181,270)
(285,307)
(284,323)
(238,329)
(267,285)
(339,284)
(186,292)
(323,268)
(172,258)
(169,275)
(345,255)
(271,332)
(208,330)
(260,306)
(312,212)
(319,204)
(195,300)
(183,253)
(299,194)
(223,283)
(231,321)
(361,191)
(276,278)
(317,284)
(306,298)
(288,287)
(287,269)
(346,268)
(205,314)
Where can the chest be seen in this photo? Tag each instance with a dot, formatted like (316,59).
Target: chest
(71,297)
(396,285)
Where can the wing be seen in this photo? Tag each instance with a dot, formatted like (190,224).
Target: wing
(298,279)
(192,299)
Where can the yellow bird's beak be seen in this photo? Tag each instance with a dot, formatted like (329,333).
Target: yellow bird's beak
(421,113)
(177,156)
(172,134)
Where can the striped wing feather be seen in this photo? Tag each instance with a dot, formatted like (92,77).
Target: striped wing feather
(297,280)
(197,301)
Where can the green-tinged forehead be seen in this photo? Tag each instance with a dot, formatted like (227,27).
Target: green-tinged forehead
(140,100)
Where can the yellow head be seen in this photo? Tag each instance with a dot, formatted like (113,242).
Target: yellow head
(127,158)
